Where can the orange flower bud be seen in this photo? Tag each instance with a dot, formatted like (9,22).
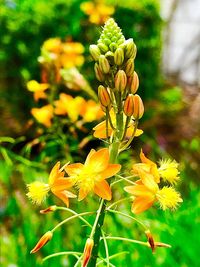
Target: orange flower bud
(130,49)
(129,68)
(104,64)
(87,251)
(150,240)
(104,96)
(43,240)
(119,56)
(95,52)
(134,83)
(138,107)
(49,209)
(120,80)
(129,105)
(99,75)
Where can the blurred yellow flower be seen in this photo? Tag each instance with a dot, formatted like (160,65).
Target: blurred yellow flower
(91,176)
(37,89)
(100,129)
(43,115)
(57,183)
(91,111)
(53,45)
(98,12)
(72,54)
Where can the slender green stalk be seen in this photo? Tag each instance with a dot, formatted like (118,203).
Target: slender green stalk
(106,249)
(73,253)
(114,256)
(118,201)
(132,137)
(146,244)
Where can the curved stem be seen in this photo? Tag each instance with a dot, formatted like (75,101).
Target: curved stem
(117,202)
(114,256)
(73,253)
(146,244)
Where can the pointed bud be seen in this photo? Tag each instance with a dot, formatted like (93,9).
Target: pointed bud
(104,64)
(119,56)
(120,80)
(129,105)
(129,68)
(104,96)
(95,52)
(138,107)
(130,49)
(133,83)
(99,75)
(49,209)
(87,251)
(103,48)
(150,240)
(43,240)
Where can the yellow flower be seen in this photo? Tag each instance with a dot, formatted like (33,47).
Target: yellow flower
(168,197)
(53,45)
(98,12)
(100,129)
(72,54)
(168,170)
(43,115)
(37,89)
(57,184)
(91,175)
(91,111)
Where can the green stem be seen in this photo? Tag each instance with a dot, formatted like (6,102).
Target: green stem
(146,244)
(73,253)
(132,137)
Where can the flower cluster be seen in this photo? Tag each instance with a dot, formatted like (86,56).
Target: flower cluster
(146,190)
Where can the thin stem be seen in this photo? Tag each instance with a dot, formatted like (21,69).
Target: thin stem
(132,137)
(71,218)
(146,244)
(97,218)
(118,201)
(107,135)
(106,249)
(110,121)
(73,253)
(126,127)
(78,261)
(114,256)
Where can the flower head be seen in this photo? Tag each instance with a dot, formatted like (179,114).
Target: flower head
(37,89)
(168,170)
(91,176)
(57,184)
(43,115)
(168,198)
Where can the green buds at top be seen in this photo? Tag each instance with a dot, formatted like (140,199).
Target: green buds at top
(119,56)
(120,80)
(104,96)
(111,37)
(130,49)
(104,64)
(129,105)
(95,52)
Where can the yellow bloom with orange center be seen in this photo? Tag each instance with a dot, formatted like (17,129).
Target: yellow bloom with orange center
(43,115)
(53,45)
(91,111)
(100,129)
(92,175)
(98,12)
(37,89)
(72,54)
(57,184)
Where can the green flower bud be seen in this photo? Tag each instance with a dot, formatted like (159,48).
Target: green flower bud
(104,64)
(104,96)
(99,75)
(113,47)
(95,52)
(103,47)
(129,68)
(130,49)
(120,80)
(119,56)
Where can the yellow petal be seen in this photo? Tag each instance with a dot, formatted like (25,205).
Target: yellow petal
(141,204)
(99,160)
(111,170)
(74,169)
(82,194)
(103,190)
(54,173)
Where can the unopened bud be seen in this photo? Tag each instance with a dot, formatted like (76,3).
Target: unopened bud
(130,49)
(110,56)
(120,80)
(99,75)
(150,240)
(104,96)
(138,107)
(87,251)
(95,52)
(103,48)
(113,47)
(43,240)
(119,56)
(104,64)
(129,68)
(133,83)
(49,209)
(129,105)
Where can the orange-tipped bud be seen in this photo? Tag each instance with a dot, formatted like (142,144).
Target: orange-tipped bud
(99,75)
(119,56)
(104,64)
(104,96)
(95,52)
(120,80)
(129,68)
(87,251)
(134,83)
(138,107)
(49,209)
(129,105)
(43,240)
(150,240)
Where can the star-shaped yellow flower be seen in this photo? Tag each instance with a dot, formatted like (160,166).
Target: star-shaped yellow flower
(91,176)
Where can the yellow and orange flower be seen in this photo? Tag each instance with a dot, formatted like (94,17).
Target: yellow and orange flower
(43,115)
(57,184)
(37,89)
(100,129)
(72,54)
(92,175)
(91,111)
(53,45)
(146,190)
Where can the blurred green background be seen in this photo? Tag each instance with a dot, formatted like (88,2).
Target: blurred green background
(167,125)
